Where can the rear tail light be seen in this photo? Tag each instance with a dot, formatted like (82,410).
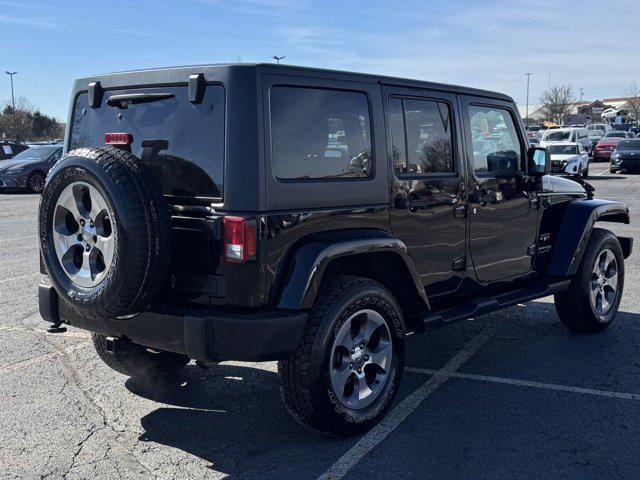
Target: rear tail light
(239,239)
(118,138)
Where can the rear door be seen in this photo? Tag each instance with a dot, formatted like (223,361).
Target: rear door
(427,183)
(503,214)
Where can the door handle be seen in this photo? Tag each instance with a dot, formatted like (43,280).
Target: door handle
(488,198)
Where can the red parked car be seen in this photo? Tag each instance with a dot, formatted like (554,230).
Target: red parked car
(605,148)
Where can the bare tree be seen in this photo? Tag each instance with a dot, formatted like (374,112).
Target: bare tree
(632,96)
(556,102)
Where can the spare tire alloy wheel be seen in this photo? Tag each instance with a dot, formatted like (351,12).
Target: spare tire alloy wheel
(104,233)
(83,234)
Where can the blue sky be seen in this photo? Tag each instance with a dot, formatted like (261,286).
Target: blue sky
(487,44)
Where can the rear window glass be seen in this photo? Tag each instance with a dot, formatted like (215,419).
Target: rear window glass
(557,136)
(181,143)
(320,134)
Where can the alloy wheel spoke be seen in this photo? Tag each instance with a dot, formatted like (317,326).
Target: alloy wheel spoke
(370,322)
(342,376)
(363,388)
(106,247)
(382,356)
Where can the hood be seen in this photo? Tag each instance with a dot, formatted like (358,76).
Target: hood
(564,157)
(9,165)
(563,185)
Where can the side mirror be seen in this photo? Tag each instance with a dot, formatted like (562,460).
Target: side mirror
(538,161)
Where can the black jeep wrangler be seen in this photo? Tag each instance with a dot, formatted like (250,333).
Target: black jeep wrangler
(265,212)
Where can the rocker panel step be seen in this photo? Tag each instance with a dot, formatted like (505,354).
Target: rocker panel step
(481,305)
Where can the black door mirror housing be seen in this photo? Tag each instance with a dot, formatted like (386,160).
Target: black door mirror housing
(538,161)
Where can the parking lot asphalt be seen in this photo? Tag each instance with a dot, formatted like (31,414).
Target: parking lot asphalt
(507,395)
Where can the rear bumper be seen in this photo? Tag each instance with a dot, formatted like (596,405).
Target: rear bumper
(208,335)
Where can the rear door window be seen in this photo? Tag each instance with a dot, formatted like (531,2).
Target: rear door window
(182,143)
(422,136)
(320,134)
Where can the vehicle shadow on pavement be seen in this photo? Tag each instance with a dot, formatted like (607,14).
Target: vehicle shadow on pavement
(233,417)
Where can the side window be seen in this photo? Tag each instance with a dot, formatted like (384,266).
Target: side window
(6,149)
(320,134)
(421,136)
(496,145)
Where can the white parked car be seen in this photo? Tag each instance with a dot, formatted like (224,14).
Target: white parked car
(569,158)
(564,135)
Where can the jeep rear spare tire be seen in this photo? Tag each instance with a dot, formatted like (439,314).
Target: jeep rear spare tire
(104,232)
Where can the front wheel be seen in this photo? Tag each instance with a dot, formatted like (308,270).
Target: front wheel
(348,366)
(591,302)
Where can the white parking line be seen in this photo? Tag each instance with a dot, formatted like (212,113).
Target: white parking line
(5,280)
(527,383)
(603,171)
(376,435)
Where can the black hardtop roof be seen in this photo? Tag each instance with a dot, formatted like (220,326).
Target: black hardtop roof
(180,74)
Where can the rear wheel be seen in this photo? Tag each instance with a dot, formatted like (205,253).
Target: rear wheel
(347,369)
(591,302)
(139,362)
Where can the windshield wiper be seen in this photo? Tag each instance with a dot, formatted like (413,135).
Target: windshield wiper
(124,100)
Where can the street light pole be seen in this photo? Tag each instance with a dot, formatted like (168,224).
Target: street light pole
(526,117)
(277,59)
(13,105)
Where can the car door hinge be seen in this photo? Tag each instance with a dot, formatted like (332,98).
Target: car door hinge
(532,249)
(459,264)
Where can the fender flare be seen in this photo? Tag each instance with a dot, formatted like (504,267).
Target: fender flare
(574,232)
(309,259)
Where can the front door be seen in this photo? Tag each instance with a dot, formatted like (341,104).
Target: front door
(427,201)
(503,219)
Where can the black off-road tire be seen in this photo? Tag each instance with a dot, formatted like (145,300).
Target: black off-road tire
(585,173)
(138,362)
(573,305)
(305,383)
(140,223)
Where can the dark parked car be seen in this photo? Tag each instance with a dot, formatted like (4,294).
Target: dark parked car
(8,150)
(268,212)
(28,169)
(626,156)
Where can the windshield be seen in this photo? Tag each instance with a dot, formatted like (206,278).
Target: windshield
(629,145)
(563,149)
(597,126)
(35,153)
(557,136)
(596,133)
(181,143)
(616,134)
